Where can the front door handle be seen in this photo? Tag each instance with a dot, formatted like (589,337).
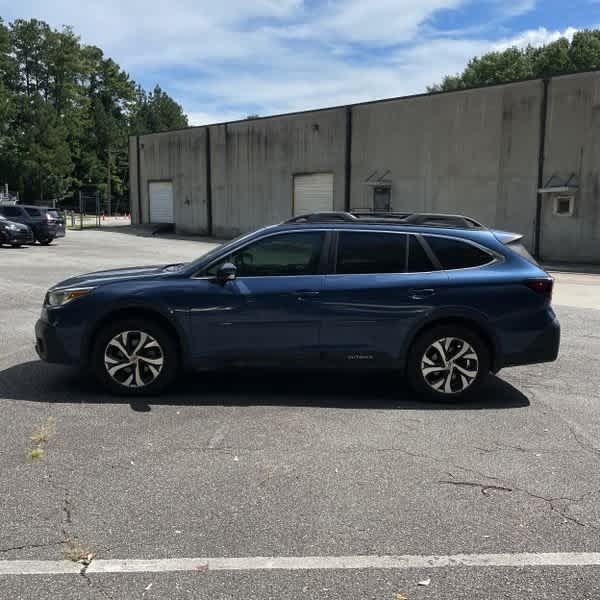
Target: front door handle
(421,294)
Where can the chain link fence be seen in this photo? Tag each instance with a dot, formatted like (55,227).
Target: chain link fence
(91,209)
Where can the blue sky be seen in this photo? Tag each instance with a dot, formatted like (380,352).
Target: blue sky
(225,59)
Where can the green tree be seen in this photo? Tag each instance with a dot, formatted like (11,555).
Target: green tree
(512,64)
(156,111)
(66,112)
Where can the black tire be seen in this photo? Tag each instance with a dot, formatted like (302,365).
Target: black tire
(45,241)
(16,245)
(152,384)
(424,357)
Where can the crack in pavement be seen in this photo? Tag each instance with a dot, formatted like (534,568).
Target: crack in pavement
(484,488)
(94,585)
(550,501)
(28,546)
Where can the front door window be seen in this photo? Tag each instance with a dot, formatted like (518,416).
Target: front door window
(278,255)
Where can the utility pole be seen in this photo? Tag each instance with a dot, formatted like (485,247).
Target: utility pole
(108,190)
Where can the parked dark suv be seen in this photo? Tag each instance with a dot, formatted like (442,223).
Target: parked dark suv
(15,234)
(439,298)
(46,223)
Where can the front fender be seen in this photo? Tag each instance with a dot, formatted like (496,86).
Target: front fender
(176,318)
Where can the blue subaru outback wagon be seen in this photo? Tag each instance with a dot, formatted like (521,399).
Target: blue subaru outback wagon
(440,298)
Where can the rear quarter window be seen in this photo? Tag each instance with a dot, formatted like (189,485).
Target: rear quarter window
(456,254)
(33,212)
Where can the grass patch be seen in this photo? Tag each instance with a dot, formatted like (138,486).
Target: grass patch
(36,453)
(39,437)
(43,433)
(78,553)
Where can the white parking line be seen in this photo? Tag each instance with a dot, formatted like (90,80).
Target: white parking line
(258,563)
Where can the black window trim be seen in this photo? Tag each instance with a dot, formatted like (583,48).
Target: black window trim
(323,267)
(329,253)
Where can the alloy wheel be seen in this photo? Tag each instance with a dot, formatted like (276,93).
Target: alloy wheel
(450,365)
(133,359)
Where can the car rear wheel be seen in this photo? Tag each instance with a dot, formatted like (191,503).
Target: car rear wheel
(448,363)
(134,358)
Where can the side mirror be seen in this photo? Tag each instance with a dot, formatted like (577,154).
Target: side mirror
(227,272)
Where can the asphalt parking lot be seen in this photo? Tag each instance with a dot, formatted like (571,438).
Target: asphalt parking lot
(320,465)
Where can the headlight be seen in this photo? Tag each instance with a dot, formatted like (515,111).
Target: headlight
(12,227)
(60,297)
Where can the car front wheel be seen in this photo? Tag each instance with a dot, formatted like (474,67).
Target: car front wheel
(134,358)
(448,363)
(45,241)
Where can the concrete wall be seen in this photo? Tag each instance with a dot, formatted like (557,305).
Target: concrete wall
(133,181)
(471,152)
(180,157)
(474,152)
(573,146)
(253,164)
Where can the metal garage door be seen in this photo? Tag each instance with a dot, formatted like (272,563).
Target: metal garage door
(161,202)
(313,193)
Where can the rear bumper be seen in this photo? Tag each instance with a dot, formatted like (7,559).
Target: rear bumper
(544,348)
(50,345)
(49,230)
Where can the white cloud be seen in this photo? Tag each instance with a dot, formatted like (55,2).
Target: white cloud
(224,60)
(321,82)
(214,116)
(535,37)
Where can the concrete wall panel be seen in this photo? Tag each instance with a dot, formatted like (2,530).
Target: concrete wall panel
(180,157)
(133,181)
(472,152)
(573,146)
(253,164)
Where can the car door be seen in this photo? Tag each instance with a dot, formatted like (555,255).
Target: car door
(383,283)
(270,311)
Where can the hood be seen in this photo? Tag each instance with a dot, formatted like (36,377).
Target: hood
(105,277)
(19,226)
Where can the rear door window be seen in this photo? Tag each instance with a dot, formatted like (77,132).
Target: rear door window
(456,254)
(362,252)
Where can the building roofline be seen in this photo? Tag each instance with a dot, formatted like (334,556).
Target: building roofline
(369,102)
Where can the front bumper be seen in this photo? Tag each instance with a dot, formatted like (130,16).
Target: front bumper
(544,348)
(22,236)
(50,345)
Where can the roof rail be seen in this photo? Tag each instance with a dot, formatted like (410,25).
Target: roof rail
(322,217)
(416,219)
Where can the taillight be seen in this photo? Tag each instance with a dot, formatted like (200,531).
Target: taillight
(541,286)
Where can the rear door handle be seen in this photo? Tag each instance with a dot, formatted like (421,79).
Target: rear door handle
(302,294)
(421,294)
